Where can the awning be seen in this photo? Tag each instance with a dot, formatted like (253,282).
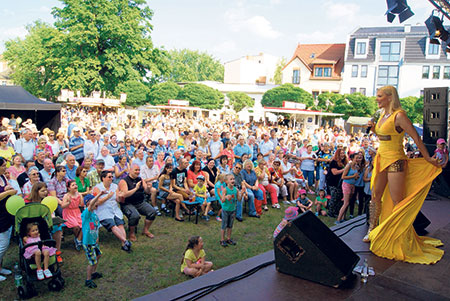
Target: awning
(299,111)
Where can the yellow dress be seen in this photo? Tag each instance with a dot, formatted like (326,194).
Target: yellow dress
(395,237)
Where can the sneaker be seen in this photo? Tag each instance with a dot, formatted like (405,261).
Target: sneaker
(205,217)
(231,242)
(2,278)
(48,274)
(127,246)
(265,208)
(5,272)
(211,212)
(59,258)
(96,275)
(90,284)
(239,219)
(286,202)
(276,206)
(218,219)
(350,216)
(40,275)
(223,243)
(294,203)
(158,213)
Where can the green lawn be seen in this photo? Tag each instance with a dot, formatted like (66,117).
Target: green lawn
(154,263)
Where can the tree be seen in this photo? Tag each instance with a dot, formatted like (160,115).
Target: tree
(161,93)
(240,100)
(94,45)
(355,104)
(278,74)
(409,105)
(107,42)
(418,108)
(287,92)
(327,100)
(202,96)
(34,68)
(190,65)
(137,92)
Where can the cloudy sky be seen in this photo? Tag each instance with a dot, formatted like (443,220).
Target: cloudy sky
(229,29)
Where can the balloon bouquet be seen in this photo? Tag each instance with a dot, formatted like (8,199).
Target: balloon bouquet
(16,202)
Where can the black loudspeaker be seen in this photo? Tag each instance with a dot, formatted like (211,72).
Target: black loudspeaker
(308,249)
(435,115)
(420,223)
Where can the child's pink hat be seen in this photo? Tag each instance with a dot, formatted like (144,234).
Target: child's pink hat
(441,141)
(290,213)
(302,191)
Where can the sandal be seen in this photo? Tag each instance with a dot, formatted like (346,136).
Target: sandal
(148,234)
(179,219)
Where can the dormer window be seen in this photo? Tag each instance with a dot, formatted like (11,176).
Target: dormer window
(322,71)
(432,51)
(361,48)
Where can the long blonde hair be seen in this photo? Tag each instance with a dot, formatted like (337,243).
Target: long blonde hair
(391,91)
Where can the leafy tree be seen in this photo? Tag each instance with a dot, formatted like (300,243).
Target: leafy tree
(161,93)
(33,68)
(278,75)
(240,100)
(287,92)
(190,65)
(326,101)
(409,105)
(355,104)
(202,96)
(94,45)
(418,108)
(137,92)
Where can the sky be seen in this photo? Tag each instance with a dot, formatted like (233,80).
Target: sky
(230,29)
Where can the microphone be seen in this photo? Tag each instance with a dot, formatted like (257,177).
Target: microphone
(374,118)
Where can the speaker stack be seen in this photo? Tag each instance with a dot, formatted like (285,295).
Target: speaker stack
(436,124)
(308,249)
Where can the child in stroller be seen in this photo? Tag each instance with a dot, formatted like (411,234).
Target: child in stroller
(33,236)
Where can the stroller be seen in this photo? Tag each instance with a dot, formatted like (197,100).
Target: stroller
(40,214)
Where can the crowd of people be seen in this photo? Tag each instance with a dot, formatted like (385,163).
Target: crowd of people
(169,162)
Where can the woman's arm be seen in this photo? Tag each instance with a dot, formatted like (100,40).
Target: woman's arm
(65,201)
(190,183)
(160,184)
(345,173)
(366,173)
(403,121)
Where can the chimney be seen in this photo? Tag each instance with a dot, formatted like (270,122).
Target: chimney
(407,27)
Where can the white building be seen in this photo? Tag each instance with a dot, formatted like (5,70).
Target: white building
(251,69)
(316,68)
(401,56)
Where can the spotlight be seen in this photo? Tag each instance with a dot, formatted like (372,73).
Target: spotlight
(400,8)
(436,29)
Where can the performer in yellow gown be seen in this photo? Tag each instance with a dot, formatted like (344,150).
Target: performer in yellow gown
(399,188)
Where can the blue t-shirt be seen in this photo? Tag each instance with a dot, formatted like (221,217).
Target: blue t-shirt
(90,224)
(230,205)
(219,185)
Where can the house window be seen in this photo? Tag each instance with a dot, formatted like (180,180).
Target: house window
(362,91)
(360,48)
(354,70)
(433,49)
(3,82)
(390,51)
(296,77)
(436,72)
(327,72)
(364,71)
(315,94)
(447,72)
(318,72)
(426,72)
(388,75)
(352,90)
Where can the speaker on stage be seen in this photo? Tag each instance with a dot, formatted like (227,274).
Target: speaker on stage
(308,249)
(435,115)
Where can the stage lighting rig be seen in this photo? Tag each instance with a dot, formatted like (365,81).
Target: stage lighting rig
(437,31)
(400,8)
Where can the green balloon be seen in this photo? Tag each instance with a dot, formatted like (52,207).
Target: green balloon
(14,203)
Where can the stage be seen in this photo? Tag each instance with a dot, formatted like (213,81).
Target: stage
(393,280)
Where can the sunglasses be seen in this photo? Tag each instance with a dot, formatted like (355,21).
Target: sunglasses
(4,140)
(110,177)
(238,167)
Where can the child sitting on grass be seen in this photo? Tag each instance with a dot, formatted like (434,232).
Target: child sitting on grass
(289,214)
(90,238)
(303,202)
(321,203)
(229,198)
(193,263)
(200,196)
(32,237)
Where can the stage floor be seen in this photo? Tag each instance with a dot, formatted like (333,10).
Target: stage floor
(393,280)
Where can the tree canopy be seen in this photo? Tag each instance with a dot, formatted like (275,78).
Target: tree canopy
(354,104)
(240,100)
(413,107)
(94,45)
(202,96)
(161,93)
(287,92)
(191,65)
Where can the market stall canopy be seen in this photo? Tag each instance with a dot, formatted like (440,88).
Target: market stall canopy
(16,100)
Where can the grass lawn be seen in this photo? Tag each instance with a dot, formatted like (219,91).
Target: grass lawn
(154,263)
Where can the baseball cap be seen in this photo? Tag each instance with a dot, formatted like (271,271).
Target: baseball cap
(100,161)
(201,177)
(441,141)
(76,129)
(302,191)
